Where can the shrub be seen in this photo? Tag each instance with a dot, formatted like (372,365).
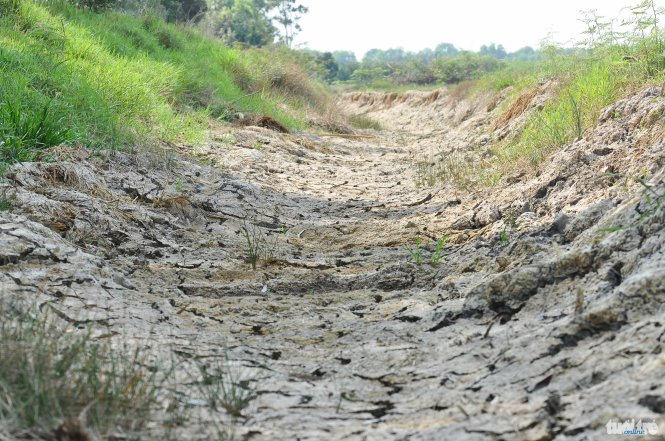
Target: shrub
(466,66)
(184,10)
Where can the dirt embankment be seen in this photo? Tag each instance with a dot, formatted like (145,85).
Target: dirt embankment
(542,317)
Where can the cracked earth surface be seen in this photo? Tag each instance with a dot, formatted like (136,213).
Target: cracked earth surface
(544,334)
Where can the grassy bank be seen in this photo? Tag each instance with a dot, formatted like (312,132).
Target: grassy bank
(579,85)
(109,79)
(581,88)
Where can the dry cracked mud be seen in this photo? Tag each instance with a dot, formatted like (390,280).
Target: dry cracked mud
(542,320)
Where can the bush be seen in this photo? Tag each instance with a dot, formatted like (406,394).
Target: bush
(594,85)
(466,66)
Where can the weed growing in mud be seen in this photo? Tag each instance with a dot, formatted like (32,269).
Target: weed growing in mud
(344,396)
(437,255)
(510,225)
(258,245)
(224,386)
(654,201)
(425,173)
(417,251)
(6,201)
(458,168)
(503,237)
(50,373)
(227,139)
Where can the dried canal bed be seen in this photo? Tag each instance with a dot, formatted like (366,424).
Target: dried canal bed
(544,332)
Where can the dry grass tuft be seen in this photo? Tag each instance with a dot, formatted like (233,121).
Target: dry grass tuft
(331,120)
(461,91)
(520,105)
(432,97)
(56,379)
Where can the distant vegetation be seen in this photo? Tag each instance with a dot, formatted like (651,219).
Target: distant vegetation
(443,64)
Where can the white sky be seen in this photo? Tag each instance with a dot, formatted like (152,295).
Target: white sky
(360,25)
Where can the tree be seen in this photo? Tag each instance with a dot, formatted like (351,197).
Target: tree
(426,55)
(329,66)
(347,62)
(464,66)
(373,56)
(445,50)
(366,75)
(527,53)
(493,50)
(288,14)
(243,21)
(378,56)
(184,10)
(395,55)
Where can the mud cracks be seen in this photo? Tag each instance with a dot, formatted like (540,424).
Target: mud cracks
(544,334)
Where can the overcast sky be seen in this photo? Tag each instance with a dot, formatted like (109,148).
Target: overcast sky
(360,25)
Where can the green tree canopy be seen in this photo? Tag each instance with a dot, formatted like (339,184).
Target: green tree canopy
(184,10)
(445,50)
(494,50)
(243,21)
(329,66)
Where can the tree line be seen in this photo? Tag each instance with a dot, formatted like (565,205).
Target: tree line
(443,64)
(262,23)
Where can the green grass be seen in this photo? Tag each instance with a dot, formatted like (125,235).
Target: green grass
(6,199)
(224,386)
(228,391)
(436,255)
(27,128)
(416,252)
(110,80)
(52,372)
